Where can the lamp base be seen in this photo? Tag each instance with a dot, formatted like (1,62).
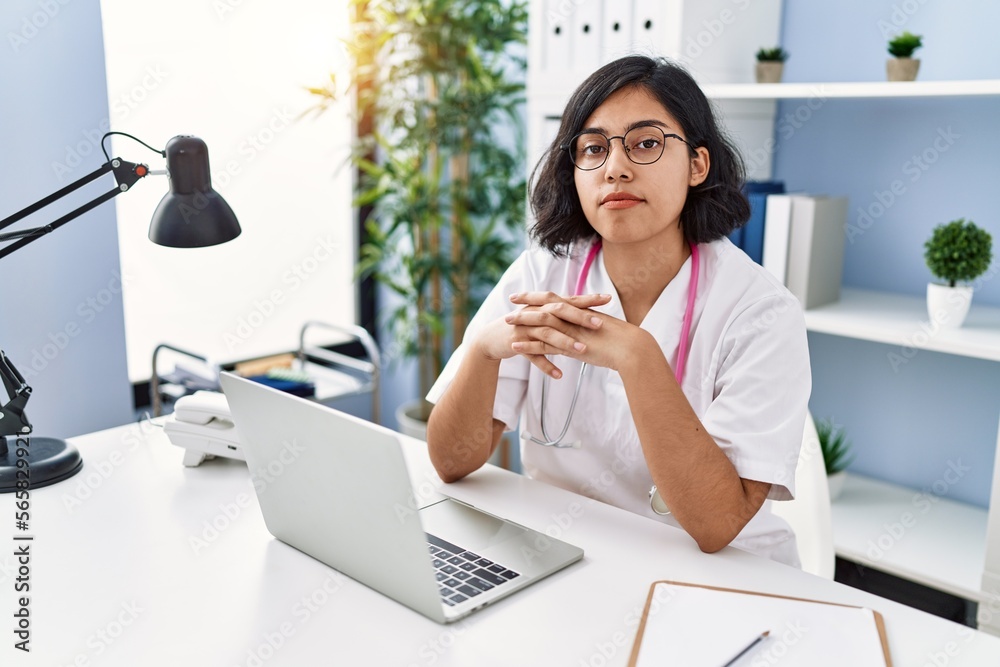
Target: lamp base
(49,461)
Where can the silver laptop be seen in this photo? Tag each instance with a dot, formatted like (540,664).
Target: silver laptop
(337,488)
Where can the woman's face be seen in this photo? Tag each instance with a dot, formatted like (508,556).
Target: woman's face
(629,203)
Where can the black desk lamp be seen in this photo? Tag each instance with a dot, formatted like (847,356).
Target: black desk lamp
(190,215)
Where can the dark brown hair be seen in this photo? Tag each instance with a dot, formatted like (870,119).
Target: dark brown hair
(712,209)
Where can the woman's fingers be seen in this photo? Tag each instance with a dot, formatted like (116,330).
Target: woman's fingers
(543,364)
(545,324)
(576,311)
(542,298)
(528,347)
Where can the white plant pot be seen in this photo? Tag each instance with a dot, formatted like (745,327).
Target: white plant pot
(409,421)
(948,306)
(836,484)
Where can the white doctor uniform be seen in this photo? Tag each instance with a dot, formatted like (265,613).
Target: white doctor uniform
(747,378)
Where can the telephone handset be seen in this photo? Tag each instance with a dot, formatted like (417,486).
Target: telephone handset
(203,425)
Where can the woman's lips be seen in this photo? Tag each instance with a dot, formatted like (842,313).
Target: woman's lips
(620,200)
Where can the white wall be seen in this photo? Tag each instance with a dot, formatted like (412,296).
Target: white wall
(235,75)
(61,316)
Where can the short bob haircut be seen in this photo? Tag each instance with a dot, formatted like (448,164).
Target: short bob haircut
(712,210)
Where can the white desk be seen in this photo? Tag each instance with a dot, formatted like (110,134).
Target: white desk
(119,578)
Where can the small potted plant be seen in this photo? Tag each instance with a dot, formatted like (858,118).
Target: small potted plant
(835,446)
(957,251)
(903,66)
(770,64)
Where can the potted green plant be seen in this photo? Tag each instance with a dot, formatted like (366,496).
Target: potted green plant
(903,66)
(957,251)
(442,167)
(770,64)
(835,446)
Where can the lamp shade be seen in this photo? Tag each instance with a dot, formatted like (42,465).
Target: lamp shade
(192,214)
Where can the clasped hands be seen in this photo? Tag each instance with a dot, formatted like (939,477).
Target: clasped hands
(550,324)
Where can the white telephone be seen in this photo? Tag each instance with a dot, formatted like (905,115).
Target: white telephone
(202,424)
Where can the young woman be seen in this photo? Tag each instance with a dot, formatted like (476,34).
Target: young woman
(636,345)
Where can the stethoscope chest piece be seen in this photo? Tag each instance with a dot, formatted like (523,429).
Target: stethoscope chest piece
(656,502)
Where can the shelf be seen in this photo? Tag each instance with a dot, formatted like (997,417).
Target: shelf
(943,546)
(860,89)
(332,383)
(902,320)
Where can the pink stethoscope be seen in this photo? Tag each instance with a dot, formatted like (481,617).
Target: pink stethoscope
(682,352)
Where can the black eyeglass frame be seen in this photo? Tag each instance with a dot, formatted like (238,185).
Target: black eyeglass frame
(569,147)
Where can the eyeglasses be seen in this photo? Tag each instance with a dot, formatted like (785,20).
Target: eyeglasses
(643,145)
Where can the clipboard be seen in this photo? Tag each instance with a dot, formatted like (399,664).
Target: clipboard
(690,624)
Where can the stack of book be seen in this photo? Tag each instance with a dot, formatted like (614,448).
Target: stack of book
(799,238)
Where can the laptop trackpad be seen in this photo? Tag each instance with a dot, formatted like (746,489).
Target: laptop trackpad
(467,527)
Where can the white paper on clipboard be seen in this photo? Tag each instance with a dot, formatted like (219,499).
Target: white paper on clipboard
(693,625)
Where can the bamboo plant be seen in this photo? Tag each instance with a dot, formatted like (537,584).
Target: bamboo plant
(443,166)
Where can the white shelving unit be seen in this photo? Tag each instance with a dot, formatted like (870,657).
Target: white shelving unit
(899,531)
(858,89)
(896,319)
(909,533)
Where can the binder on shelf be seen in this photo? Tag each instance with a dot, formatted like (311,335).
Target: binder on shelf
(650,19)
(616,30)
(777,226)
(753,232)
(690,624)
(585,40)
(815,262)
(556,38)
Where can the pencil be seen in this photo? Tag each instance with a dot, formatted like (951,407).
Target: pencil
(749,646)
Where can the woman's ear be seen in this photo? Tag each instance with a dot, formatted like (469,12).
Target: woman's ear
(700,164)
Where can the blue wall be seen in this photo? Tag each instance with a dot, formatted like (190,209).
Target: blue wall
(61,317)
(909,423)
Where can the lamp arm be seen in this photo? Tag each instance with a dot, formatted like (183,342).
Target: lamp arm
(126,175)
(13,421)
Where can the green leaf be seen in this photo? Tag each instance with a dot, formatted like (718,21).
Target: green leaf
(958,251)
(834,445)
(439,80)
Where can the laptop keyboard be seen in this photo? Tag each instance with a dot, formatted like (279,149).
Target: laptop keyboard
(463,574)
